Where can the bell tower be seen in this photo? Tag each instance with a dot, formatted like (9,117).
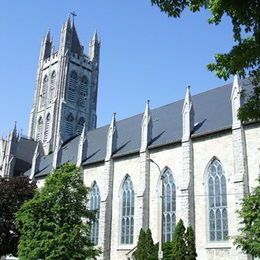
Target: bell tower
(65,97)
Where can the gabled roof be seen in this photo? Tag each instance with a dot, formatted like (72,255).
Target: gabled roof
(212,114)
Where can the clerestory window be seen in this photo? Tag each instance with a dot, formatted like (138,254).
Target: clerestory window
(95,206)
(127,212)
(169,205)
(217,203)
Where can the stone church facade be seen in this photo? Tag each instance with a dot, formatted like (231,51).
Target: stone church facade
(192,159)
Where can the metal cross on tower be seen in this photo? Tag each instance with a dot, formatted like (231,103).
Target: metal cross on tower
(73,14)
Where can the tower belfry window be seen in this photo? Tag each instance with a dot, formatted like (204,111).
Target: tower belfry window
(83,91)
(52,86)
(69,125)
(39,129)
(43,94)
(47,128)
(72,87)
(80,125)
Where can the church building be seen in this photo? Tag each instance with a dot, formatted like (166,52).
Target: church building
(192,159)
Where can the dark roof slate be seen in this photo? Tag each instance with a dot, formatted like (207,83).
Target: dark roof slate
(212,113)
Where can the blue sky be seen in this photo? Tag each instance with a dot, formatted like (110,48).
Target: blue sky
(144,54)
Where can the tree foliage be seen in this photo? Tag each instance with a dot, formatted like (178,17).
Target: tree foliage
(167,250)
(146,249)
(179,245)
(191,253)
(55,224)
(244,57)
(13,192)
(249,237)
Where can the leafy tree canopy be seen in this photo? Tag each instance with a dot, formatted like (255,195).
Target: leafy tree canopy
(249,238)
(55,224)
(13,192)
(244,57)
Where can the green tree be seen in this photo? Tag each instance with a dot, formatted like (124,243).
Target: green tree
(13,192)
(244,57)
(145,246)
(55,224)
(249,238)
(179,245)
(140,252)
(167,250)
(152,249)
(191,253)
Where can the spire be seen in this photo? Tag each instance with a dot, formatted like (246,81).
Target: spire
(14,132)
(69,37)
(94,47)
(187,116)
(111,138)
(34,161)
(236,102)
(146,129)
(46,47)
(48,36)
(83,138)
(95,37)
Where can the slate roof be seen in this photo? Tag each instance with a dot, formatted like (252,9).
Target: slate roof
(212,114)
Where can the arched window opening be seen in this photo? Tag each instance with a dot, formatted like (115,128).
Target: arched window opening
(169,205)
(69,125)
(52,86)
(127,212)
(43,94)
(83,92)
(217,203)
(80,125)
(39,129)
(47,128)
(95,206)
(73,80)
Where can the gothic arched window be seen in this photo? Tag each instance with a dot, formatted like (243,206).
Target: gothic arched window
(217,203)
(73,80)
(127,212)
(47,127)
(169,205)
(95,206)
(80,125)
(43,94)
(69,125)
(52,86)
(83,91)
(39,129)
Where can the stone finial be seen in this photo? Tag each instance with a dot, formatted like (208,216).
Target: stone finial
(146,131)
(34,161)
(83,138)
(94,46)
(111,138)
(236,102)
(187,116)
